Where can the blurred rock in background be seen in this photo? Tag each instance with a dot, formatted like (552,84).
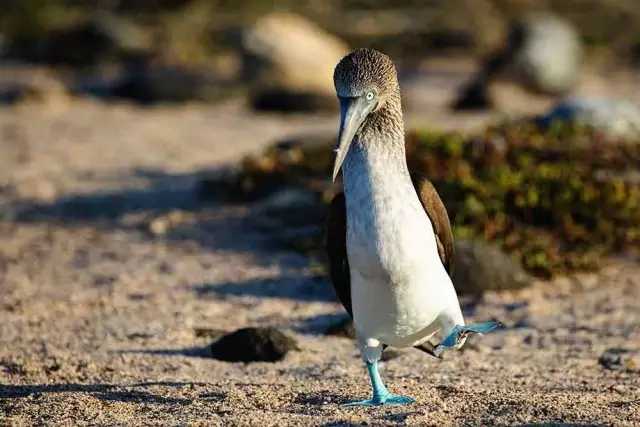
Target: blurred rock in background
(282,58)
(149,83)
(480,266)
(543,53)
(547,53)
(289,61)
(98,38)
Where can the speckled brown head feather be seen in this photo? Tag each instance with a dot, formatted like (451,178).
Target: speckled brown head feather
(366,69)
(370,109)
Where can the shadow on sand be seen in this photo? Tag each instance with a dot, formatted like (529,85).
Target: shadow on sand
(162,193)
(303,288)
(106,392)
(203,351)
(216,225)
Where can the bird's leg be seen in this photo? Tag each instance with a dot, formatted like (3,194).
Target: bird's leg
(459,334)
(381,396)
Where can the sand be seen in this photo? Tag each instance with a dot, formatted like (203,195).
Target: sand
(113,277)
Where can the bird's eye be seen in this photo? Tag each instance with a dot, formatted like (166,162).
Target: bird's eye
(370,96)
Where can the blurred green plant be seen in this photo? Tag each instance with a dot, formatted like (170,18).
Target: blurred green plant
(26,20)
(559,199)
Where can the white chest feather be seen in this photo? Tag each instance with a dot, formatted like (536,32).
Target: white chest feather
(401,293)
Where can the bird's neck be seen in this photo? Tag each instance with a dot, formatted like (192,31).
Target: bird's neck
(381,138)
(377,158)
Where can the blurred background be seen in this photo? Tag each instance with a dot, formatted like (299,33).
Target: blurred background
(155,51)
(165,171)
(497,71)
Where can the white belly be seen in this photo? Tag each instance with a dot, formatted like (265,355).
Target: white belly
(401,293)
(399,287)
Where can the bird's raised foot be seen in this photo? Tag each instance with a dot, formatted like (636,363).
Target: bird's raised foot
(460,332)
(387,399)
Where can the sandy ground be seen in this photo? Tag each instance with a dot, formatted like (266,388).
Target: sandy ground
(102,311)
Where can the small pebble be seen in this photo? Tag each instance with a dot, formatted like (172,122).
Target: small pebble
(620,359)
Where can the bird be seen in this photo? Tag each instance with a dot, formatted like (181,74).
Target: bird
(388,239)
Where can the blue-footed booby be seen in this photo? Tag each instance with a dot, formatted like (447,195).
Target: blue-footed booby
(389,242)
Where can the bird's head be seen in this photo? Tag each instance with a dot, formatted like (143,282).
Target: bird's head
(366,84)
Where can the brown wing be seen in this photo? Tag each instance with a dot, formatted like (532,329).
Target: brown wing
(437,213)
(336,245)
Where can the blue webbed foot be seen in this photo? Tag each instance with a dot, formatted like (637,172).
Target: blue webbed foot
(458,333)
(389,399)
(381,396)
(482,327)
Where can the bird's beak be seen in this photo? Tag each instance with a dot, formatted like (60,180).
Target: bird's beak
(353,111)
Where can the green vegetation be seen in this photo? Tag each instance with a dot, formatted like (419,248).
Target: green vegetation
(559,199)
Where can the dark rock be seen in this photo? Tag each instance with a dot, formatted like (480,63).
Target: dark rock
(253,345)
(100,38)
(620,359)
(343,328)
(148,83)
(473,96)
(290,101)
(542,52)
(480,266)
